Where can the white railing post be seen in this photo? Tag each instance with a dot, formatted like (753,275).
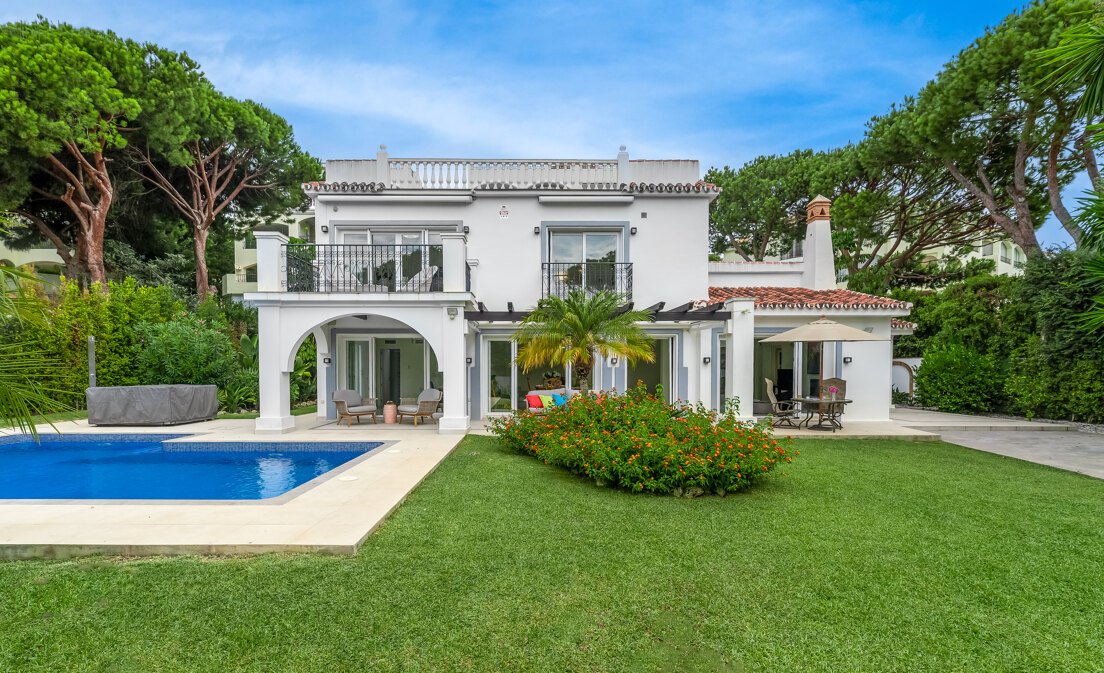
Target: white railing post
(383,166)
(624,168)
(271,267)
(455,258)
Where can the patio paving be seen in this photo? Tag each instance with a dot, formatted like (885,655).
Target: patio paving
(333,516)
(1073,451)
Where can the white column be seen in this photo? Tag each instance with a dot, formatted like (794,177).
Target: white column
(275,383)
(740,364)
(454,417)
(322,347)
(383,166)
(455,254)
(270,262)
(695,369)
(705,382)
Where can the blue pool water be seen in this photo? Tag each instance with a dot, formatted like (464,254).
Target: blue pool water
(141,467)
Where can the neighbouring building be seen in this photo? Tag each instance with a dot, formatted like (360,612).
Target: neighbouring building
(422,269)
(300,226)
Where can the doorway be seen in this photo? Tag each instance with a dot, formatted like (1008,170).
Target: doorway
(656,376)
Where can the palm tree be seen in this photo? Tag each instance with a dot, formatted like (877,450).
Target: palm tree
(571,330)
(21,396)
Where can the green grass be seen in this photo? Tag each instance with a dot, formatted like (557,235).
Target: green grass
(870,556)
(297,411)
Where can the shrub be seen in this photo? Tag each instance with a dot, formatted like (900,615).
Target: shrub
(958,379)
(184,350)
(636,442)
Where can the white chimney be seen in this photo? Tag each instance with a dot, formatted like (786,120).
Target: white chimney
(819,272)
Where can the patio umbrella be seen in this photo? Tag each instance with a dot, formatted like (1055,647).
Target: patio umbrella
(823,330)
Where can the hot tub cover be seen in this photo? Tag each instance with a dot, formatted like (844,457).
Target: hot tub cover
(151,405)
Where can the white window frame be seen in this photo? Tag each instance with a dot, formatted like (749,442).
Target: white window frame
(343,364)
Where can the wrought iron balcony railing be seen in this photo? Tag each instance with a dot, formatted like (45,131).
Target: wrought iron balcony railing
(363,268)
(560,278)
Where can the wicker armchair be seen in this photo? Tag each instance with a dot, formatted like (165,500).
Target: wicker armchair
(428,401)
(784,412)
(349,403)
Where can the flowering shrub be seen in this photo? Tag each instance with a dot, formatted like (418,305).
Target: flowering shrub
(637,442)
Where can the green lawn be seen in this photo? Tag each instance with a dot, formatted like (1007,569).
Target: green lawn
(870,556)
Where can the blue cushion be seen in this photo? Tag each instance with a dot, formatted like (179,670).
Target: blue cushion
(560,400)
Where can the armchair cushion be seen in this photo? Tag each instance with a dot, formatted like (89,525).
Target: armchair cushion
(361,409)
(407,408)
(534,401)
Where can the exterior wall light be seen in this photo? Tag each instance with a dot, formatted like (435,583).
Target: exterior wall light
(706,360)
(847,360)
(467,229)
(326,361)
(468,360)
(452,312)
(536,230)
(632,230)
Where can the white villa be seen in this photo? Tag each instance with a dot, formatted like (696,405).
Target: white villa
(421,269)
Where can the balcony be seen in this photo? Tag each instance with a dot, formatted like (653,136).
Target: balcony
(364,268)
(560,278)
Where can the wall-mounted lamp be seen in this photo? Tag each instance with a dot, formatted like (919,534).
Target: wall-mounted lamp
(706,360)
(632,230)
(452,312)
(613,362)
(847,360)
(325,229)
(467,229)
(326,361)
(536,230)
(468,360)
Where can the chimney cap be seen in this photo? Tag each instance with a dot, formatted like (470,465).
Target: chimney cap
(818,209)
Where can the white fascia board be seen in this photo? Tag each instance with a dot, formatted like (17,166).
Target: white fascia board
(589,199)
(396,198)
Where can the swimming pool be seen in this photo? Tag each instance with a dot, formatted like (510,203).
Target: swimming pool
(150,467)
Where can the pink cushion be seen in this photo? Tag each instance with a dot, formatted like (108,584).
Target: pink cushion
(534,401)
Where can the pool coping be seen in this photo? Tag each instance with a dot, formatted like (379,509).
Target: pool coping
(333,516)
(274,500)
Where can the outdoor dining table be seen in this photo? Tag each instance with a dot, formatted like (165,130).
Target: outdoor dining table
(826,409)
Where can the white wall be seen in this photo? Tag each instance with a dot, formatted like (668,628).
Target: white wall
(755,274)
(667,252)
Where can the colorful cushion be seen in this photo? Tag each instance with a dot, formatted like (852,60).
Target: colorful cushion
(534,401)
(560,400)
(546,401)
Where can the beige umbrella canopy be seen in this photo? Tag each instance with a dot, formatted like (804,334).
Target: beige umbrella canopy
(824,330)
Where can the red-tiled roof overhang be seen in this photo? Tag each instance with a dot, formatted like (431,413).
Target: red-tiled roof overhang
(800,297)
(897,323)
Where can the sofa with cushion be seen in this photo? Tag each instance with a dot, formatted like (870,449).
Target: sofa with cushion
(547,393)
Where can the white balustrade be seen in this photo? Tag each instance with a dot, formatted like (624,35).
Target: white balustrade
(475,173)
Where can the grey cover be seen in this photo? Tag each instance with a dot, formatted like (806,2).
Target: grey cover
(151,405)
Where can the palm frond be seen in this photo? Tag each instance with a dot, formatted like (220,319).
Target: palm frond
(1078,60)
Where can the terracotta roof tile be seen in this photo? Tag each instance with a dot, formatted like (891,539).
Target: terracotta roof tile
(800,297)
(897,323)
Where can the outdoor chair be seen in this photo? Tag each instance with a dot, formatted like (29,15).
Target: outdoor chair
(829,410)
(349,403)
(784,412)
(427,404)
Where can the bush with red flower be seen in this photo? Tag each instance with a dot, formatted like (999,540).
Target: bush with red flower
(637,442)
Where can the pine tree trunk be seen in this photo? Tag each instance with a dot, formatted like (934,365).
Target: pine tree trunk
(203,285)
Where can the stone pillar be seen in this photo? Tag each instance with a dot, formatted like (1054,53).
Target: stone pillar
(455,254)
(740,359)
(270,258)
(454,417)
(275,380)
(818,255)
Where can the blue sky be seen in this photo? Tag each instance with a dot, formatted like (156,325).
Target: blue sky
(719,82)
